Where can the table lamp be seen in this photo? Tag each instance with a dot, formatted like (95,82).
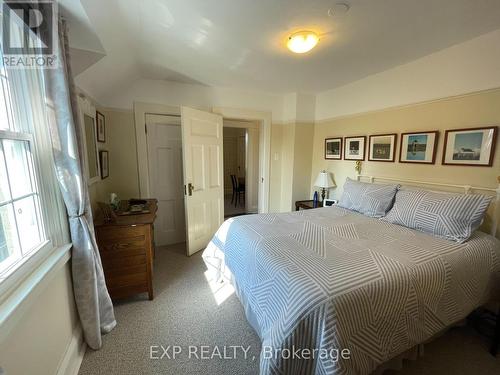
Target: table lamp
(324,181)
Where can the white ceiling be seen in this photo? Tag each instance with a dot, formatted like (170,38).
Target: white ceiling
(241,43)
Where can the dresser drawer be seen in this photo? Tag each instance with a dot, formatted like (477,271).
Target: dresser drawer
(111,262)
(116,232)
(126,257)
(130,244)
(134,275)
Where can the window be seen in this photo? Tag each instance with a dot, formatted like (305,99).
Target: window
(21,225)
(31,211)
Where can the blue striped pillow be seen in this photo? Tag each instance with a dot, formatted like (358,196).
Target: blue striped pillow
(446,215)
(370,199)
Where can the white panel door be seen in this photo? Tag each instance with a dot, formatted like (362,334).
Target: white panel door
(164,140)
(203,176)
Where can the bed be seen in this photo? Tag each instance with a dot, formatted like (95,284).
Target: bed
(330,279)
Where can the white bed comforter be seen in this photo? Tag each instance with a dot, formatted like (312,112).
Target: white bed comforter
(330,278)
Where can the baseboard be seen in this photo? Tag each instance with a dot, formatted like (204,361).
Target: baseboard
(70,364)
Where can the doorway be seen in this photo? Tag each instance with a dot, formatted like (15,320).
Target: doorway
(164,147)
(203,176)
(241,167)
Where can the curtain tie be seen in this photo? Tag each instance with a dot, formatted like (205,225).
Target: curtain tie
(77,216)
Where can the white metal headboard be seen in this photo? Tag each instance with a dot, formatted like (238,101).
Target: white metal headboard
(467,189)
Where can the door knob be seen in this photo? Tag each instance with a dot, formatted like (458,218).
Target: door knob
(190,188)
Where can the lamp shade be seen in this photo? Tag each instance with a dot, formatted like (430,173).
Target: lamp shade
(324,180)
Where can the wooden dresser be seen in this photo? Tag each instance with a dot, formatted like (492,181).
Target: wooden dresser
(126,246)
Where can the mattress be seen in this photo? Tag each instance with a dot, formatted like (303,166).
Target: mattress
(318,282)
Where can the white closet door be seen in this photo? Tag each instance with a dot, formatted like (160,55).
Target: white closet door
(164,139)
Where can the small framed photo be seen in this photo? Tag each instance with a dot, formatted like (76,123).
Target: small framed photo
(104,160)
(418,147)
(382,147)
(473,146)
(333,148)
(354,148)
(101,127)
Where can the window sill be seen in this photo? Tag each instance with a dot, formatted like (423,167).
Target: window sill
(16,289)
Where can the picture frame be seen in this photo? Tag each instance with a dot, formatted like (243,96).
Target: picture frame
(418,147)
(354,148)
(470,146)
(104,160)
(100,127)
(333,148)
(382,147)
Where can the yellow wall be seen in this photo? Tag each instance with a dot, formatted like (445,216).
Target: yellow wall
(120,143)
(287,160)
(304,136)
(39,339)
(291,155)
(275,177)
(297,148)
(474,110)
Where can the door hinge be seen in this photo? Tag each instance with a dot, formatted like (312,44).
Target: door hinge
(146,128)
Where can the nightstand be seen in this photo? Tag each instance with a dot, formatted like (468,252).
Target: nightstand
(305,205)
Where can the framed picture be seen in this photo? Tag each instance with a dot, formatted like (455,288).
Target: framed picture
(101,127)
(382,147)
(354,148)
(104,160)
(333,148)
(418,147)
(473,146)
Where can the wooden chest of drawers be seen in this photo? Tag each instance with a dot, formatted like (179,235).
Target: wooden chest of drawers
(126,246)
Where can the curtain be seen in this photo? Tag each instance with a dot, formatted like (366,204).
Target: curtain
(94,305)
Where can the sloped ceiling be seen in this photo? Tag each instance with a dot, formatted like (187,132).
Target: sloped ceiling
(241,43)
(85,47)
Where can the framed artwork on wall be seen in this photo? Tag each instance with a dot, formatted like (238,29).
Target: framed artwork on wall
(104,159)
(418,147)
(472,146)
(101,127)
(333,148)
(354,148)
(382,147)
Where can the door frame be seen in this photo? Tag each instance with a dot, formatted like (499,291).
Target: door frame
(245,124)
(264,119)
(140,111)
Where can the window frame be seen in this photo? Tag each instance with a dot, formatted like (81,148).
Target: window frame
(24,137)
(29,106)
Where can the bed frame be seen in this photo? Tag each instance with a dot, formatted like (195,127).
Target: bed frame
(493,211)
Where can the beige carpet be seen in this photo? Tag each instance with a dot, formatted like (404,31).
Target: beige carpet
(184,312)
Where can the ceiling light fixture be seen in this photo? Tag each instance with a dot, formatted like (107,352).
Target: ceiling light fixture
(302,41)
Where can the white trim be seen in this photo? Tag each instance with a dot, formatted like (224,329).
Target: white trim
(73,357)
(264,146)
(17,299)
(140,111)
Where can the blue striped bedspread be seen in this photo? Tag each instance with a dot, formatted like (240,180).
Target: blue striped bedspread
(329,279)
